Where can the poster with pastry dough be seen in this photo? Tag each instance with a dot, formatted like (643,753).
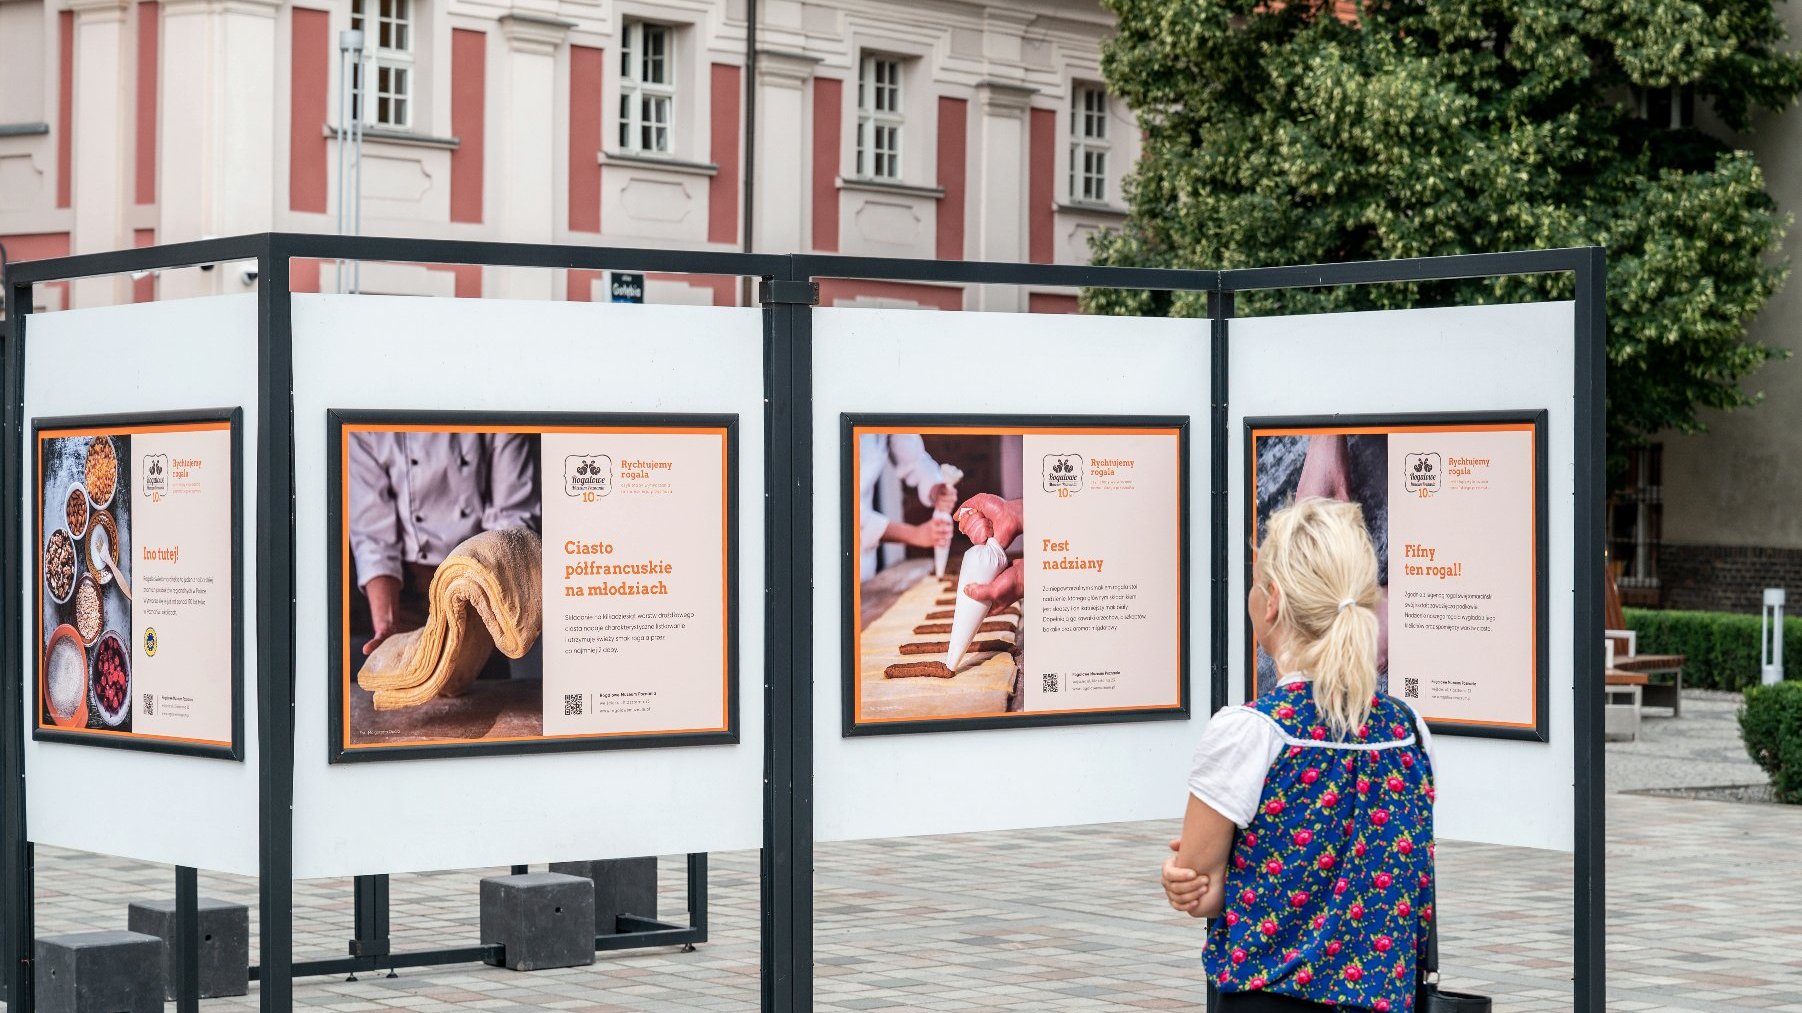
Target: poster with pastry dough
(513,583)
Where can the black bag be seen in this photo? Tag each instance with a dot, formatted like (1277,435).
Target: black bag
(1428,996)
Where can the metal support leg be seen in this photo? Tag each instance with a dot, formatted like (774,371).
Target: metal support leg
(371,916)
(697,899)
(187,940)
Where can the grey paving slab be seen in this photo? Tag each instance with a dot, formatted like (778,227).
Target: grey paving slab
(1703,915)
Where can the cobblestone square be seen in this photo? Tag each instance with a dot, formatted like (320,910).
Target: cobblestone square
(1702,901)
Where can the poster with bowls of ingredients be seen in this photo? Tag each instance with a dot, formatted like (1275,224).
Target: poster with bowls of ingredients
(139,527)
(1008,571)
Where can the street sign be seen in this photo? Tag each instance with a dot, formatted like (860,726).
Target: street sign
(624,287)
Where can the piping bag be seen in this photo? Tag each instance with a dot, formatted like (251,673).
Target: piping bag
(950,474)
(981,564)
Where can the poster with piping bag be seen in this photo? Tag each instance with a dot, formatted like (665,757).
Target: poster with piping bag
(1061,598)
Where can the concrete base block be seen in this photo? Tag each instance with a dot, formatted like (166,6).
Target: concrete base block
(100,972)
(544,919)
(224,943)
(622,886)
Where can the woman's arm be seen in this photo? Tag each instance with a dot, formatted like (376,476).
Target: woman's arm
(1206,841)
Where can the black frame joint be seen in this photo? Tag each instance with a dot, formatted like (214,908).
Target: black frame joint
(777,292)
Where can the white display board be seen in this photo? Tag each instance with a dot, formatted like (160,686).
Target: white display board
(901,362)
(178,355)
(362,353)
(1460,360)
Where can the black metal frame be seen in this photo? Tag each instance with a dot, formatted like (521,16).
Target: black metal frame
(1588,268)
(1430,422)
(274,755)
(108,425)
(786,290)
(850,422)
(335,421)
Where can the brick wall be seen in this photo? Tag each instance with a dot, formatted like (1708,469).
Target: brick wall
(1726,578)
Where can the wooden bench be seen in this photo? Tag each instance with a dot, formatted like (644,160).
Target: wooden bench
(1623,653)
(1660,693)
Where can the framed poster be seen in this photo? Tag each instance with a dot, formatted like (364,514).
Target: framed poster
(1455,507)
(139,581)
(1010,571)
(515,583)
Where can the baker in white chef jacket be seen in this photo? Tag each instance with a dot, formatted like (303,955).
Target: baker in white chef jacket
(414,496)
(906,454)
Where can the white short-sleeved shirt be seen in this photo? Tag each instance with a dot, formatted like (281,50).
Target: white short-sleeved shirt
(1234,756)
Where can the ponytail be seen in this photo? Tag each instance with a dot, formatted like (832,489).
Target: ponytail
(1319,555)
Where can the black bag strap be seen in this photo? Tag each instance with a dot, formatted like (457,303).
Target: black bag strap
(1429,964)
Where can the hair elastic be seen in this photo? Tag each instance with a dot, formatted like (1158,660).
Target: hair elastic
(1347,603)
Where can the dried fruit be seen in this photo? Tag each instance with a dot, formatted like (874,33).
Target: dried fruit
(112,682)
(102,470)
(59,564)
(77,509)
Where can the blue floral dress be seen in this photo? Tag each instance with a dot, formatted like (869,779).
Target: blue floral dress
(1330,888)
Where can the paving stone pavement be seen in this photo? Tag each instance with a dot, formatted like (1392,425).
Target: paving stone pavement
(1704,914)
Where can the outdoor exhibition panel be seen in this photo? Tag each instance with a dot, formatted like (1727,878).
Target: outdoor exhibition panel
(595,625)
(1073,453)
(135,557)
(1454,430)
(581,504)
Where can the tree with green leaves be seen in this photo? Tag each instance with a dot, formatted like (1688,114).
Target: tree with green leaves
(1313,131)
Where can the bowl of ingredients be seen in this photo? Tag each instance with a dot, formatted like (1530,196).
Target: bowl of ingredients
(90,617)
(77,509)
(66,678)
(102,522)
(110,685)
(59,566)
(102,474)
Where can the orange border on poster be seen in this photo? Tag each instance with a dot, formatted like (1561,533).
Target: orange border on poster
(726,641)
(67,433)
(1251,508)
(857,540)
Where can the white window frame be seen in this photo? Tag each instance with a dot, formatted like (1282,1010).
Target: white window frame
(1090,150)
(391,66)
(647,108)
(881,97)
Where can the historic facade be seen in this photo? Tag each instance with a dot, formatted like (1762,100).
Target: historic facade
(950,130)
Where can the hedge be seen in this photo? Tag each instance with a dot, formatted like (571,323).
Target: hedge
(1720,649)
(1771,724)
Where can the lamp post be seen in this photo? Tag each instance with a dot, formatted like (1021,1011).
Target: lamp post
(350,145)
(1771,636)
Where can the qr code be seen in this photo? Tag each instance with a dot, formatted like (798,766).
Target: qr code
(149,705)
(1049,681)
(572,705)
(1411,687)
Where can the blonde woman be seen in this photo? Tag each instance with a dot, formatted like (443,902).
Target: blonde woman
(1308,837)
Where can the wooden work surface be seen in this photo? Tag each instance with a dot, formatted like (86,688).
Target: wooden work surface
(489,709)
(984,683)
